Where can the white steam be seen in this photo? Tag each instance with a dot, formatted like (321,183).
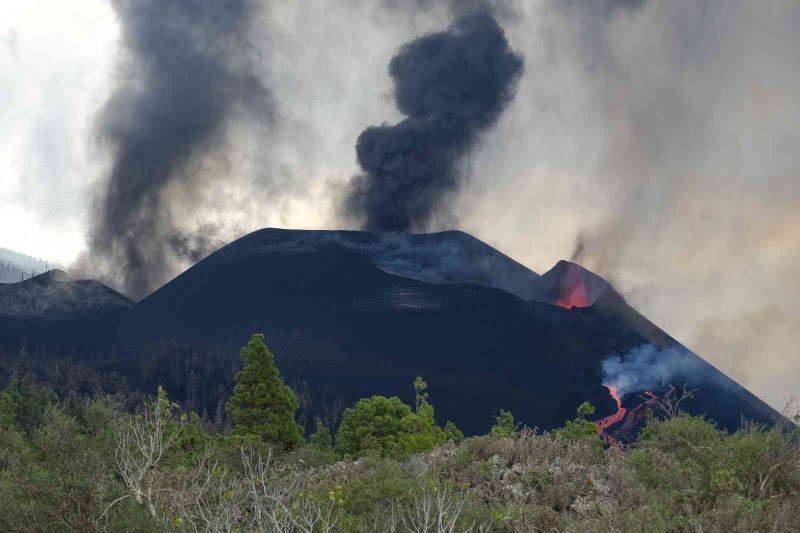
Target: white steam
(646,367)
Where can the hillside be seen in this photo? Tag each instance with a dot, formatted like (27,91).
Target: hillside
(52,310)
(14,265)
(10,273)
(350,314)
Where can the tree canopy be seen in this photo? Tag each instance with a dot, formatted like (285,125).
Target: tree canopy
(262,404)
(388,427)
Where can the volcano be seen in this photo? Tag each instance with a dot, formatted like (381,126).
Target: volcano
(52,310)
(570,285)
(351,314)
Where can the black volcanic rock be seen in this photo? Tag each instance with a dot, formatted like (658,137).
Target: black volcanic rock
(351,314)
(445,257)
(53,295)
(52,310)
(718,396)
(364,270)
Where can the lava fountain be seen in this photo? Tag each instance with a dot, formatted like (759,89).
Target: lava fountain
(573,290)
(569,285)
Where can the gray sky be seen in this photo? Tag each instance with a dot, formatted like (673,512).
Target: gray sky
(663,135)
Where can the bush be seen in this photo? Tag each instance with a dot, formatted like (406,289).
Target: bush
(387,427)
(60,477)
(321,438)
(580,428)
(374,425)
(85,465)
(452,433)
(504,424)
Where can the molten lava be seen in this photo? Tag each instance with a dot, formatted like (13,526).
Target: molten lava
(628,420)
(573,291)
(608,421)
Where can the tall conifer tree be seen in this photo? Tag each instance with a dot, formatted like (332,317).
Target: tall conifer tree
(261,404)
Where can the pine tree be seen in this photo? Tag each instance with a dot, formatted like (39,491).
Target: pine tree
(261,404)
(420,387)
(585,409)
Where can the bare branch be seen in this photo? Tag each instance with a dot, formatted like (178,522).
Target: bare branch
(141,442)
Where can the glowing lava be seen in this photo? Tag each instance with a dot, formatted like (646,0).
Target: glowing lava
(604,423)
(573,291)
(628,420)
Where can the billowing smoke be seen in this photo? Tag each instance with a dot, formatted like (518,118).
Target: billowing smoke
(661,135)
(452,86)
(186,74)
(646,367)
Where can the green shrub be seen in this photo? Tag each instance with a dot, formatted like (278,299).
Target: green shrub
(452,433)
(23,404)
(504,425)
(380,481)
(374,425)
(585,409)
(764,461)
(60,471)
(387,427)
(321,438)
(310,456)
(580,428)
(537,479)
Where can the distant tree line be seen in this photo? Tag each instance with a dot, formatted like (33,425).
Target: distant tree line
(11,273)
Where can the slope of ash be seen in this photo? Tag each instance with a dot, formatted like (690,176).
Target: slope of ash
(351,314)
(445,257)
(54,295)
(54,311)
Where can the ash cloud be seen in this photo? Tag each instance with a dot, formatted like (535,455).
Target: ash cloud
(452,86)
(186,74)
(697,99)
(662,137)
(663,134)
(646,367)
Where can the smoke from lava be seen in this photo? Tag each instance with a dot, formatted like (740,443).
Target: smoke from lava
(646,367)
(452,86)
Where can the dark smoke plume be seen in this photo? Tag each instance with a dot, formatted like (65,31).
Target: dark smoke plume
(452,85)
(188,69)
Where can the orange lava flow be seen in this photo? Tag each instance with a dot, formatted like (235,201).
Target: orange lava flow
(573,292)
(628,419)
(608,421)
(616,417)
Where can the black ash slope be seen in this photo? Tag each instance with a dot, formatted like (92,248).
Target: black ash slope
(350,314)
(54,311)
